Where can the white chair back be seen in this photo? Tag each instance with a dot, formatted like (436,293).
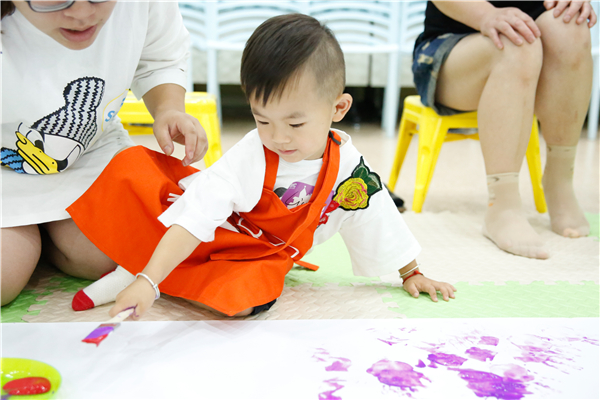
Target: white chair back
(369,27)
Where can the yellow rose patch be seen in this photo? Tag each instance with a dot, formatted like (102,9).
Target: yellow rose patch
(354,193)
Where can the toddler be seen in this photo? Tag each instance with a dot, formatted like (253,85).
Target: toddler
(224,238)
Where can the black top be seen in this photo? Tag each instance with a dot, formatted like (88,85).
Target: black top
(438,23)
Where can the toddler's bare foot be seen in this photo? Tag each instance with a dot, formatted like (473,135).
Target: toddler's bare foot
(566,217)
(505,224)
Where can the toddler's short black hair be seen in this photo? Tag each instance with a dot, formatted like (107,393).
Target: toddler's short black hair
(283,46)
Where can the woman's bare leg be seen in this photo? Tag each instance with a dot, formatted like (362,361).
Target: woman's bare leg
(21,249)
(501,86)
(73,253)
(562,100)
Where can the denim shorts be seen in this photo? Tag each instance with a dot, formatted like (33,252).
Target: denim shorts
(428,59)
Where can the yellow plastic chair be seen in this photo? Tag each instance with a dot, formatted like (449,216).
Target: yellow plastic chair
(433,132)
(201,105)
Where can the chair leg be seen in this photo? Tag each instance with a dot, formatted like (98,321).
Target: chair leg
(432,132)
(534,162)
(212,79)
(210,123)
(404,138)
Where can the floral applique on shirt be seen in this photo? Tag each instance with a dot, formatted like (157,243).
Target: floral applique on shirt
(354,193)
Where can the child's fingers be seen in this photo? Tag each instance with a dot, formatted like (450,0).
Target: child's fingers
(432,292)
(446,291)
(120,306)
(411,288)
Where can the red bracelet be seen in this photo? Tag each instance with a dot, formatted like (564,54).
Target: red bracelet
(411,275)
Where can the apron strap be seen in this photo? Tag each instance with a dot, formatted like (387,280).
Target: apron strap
(307,265)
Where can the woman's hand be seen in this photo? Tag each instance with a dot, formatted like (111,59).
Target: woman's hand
(584,8)
(510,22)
(176,126)
(140,294)
(166,104)
(419,283)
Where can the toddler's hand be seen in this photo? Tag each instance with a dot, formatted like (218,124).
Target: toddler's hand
(139,295)
(420,283)
(176,126)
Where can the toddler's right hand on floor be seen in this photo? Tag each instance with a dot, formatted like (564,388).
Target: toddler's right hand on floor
(419,283)
(139,295)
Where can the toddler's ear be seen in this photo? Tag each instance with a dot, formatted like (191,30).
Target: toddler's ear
(342,105)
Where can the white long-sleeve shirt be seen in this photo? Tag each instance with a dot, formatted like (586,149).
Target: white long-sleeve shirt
(377,238)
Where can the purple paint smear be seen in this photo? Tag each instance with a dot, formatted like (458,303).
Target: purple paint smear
(447,360)
(539,355)
(584,340)
(341,364)
(329,395)
(392,340)
(486,384)
(481,354)
(421,364)
(489,340)
(396,373)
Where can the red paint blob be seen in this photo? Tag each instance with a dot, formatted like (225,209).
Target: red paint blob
(30,385)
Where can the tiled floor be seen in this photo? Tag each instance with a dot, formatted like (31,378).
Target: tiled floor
(458,184)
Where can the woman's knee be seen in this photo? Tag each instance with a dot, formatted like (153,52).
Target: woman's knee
(568,44)
(21,249)
(524,61)
(67,248)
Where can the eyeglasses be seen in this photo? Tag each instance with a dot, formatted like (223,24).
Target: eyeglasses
(45,6)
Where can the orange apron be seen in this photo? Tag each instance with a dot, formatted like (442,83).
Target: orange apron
(237,270)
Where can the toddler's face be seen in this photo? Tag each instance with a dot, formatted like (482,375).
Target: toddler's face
(296,126)
(76,27)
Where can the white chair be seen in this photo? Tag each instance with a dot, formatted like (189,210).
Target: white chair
(592,125)
(227,25)
(369,27)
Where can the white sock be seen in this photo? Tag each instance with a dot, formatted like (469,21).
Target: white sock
(104,290)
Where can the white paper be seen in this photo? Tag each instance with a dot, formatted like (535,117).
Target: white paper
(319,359)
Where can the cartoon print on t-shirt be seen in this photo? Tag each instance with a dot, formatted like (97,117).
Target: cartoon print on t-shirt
(52,143)
(297,194)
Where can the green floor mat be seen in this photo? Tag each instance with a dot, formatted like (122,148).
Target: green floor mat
(488,300)
(513,300)
(14,311)
(335,260)
(594,220)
